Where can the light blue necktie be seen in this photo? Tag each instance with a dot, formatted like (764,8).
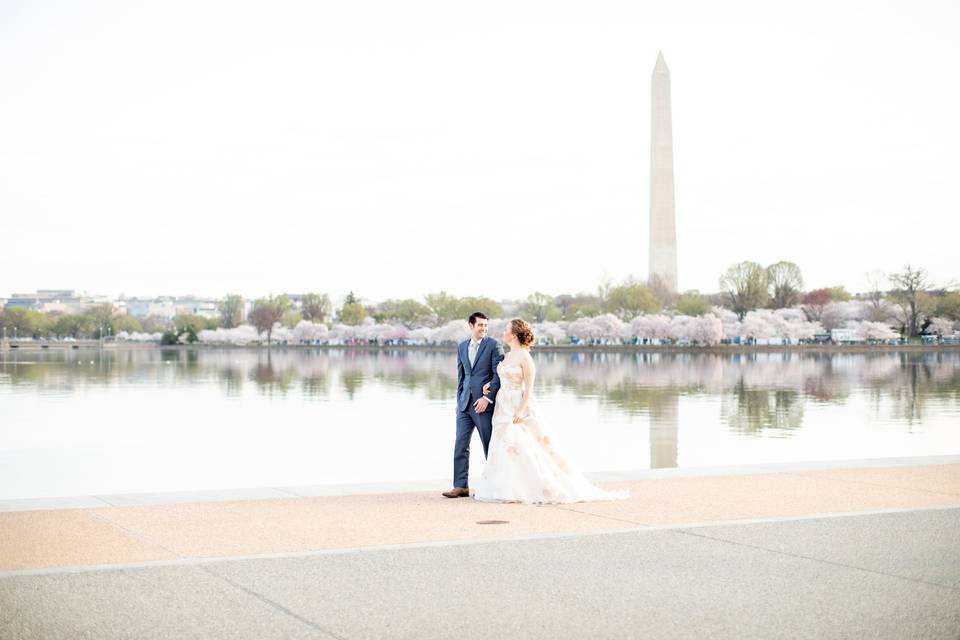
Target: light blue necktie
(472,354)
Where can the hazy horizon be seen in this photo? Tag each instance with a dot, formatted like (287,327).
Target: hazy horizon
(396,150)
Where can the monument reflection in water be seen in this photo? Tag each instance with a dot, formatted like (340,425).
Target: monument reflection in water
(87,422)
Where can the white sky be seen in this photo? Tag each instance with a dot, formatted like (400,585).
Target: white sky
(398,148)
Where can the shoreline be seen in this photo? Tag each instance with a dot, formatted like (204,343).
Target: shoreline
(436,485)
(10,346)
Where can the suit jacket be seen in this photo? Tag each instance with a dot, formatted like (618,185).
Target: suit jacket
(470,380)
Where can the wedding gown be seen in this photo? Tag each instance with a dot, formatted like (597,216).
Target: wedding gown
(522,463)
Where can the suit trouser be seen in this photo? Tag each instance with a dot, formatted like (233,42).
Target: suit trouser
(467,421)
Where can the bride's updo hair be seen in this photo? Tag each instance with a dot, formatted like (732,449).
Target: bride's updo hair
(523,331)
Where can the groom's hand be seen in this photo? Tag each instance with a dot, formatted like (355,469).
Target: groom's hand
(481,405)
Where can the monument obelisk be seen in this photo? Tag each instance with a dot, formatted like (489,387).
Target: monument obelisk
(663,226)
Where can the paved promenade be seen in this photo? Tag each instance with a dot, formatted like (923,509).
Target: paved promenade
(856,551)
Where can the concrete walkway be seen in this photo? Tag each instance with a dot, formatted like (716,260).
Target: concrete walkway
(843,552)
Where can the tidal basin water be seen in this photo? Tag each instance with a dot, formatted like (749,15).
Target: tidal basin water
(148,420)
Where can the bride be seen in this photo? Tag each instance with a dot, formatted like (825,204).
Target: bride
(522,463)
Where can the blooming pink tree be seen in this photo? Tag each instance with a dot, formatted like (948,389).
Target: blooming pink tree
(941,326)
(453,331)
(344,333)
(579,328)
(867,330)
(759,324)
(732,327)
(550,332)
(681,328)
(307,331)
(652,327)
(281,333)
(706,330)
(242,334)
(495,327)
(136,336)
(607,327)
(793,324)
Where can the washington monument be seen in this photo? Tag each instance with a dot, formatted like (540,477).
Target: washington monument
(663,225)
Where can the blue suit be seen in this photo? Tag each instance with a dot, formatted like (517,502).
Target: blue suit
(470,381)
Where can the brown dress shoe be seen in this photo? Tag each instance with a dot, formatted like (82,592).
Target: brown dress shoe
(457,492)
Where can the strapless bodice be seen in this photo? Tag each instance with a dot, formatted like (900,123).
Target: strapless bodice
(511,376)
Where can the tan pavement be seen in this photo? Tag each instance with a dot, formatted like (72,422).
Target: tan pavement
(118,535)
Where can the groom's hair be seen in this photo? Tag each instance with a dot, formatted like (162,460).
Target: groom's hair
(474,316)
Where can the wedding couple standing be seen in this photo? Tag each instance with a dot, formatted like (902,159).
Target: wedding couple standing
(495,397)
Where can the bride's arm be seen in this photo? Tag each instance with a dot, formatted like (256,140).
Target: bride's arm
(529,374)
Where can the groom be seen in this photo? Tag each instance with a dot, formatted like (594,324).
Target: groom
(477,360)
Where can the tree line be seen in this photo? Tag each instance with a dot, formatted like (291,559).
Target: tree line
(908,301)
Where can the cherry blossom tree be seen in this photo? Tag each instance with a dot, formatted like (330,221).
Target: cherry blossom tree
(307,331)
(706,330)
(453,331)
(658,327)
(137,336)
(607,327)
(759,325)
(239,335)
(941,326)
(495,327)
(550,332)
(681,328)
(868,330)
(282,333)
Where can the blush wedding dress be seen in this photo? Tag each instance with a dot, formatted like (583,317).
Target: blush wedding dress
(522,463)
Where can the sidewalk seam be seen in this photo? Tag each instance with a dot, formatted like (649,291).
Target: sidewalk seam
(143,538)
(803,557)
(133,533)
(275,605)
(598,515)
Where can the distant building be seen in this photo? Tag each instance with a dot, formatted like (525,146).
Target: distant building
(22,301)
(168,307)
(68,301)
(191,305)
(56,293)
(146,307)
(55,300)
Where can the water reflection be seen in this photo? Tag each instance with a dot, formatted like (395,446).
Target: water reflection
(663,432)
(752,410)
(758,391)
(92,423)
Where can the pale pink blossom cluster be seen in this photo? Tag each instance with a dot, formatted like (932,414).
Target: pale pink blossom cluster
(837,314)
(789,324)
(942,326)
(307,331)
(867,330)
(136,336)
(244,334)
(763,325)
